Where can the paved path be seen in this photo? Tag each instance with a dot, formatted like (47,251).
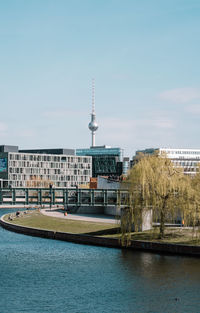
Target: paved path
(16,206)
(80,217)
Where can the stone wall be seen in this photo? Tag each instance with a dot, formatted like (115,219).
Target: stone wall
(105,242)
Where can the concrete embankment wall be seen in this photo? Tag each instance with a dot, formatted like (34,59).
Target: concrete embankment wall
(112,210)
(104,242)
(76,238)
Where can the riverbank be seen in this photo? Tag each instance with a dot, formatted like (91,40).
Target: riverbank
(94,236)
(68,224)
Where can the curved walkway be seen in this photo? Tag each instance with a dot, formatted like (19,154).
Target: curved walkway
(80,217)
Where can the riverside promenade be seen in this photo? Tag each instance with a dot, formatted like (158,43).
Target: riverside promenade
(97,239)
(98,218)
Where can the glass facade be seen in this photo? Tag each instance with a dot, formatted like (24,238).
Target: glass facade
(101,151)
(3,165)
(106,161)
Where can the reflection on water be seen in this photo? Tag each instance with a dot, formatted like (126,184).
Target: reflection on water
(41,275)
(155,266)
(167,283)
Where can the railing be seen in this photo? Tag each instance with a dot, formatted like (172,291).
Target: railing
(66,197)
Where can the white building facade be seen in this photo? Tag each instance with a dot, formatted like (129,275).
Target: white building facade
(19,169)
(188,159)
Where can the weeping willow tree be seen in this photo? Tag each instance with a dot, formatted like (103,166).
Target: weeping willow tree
(191,215)
(155,184)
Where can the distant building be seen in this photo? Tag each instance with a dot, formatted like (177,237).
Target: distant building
(126,165)
(188,159)
(42,167)
(50,151)
(106,161)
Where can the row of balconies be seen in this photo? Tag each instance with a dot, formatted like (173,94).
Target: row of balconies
(49,158)
(49,171)
(48,164)
(72,178)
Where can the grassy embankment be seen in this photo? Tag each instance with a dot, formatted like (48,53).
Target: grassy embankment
(178,235)
(35,219)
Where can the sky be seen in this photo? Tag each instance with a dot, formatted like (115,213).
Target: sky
(143,55)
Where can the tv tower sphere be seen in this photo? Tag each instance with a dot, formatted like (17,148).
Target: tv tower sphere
(93,126)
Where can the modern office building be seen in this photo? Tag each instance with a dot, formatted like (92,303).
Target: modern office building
(188,159)
(126,165)
(106,161)
(42,167)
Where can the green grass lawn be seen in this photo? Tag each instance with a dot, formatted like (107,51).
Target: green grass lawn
(37,220)
(173,235)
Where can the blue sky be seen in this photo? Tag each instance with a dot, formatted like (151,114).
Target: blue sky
(143,54)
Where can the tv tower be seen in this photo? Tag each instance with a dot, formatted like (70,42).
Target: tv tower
(93,126)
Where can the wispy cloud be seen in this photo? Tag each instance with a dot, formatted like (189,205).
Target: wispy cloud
(3,127)
(193,108)
(180,95)
(11,133)
(3,130)
(127,125)
(26,133)
(162,123)
(120,130)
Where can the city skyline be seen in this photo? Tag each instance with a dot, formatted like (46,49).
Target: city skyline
(144,57)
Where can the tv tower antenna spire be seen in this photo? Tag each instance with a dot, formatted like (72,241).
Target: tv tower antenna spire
(93,96)
(93,126)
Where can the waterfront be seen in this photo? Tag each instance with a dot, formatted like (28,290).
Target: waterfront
(41,275)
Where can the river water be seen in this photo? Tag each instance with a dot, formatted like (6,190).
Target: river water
(42,275)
